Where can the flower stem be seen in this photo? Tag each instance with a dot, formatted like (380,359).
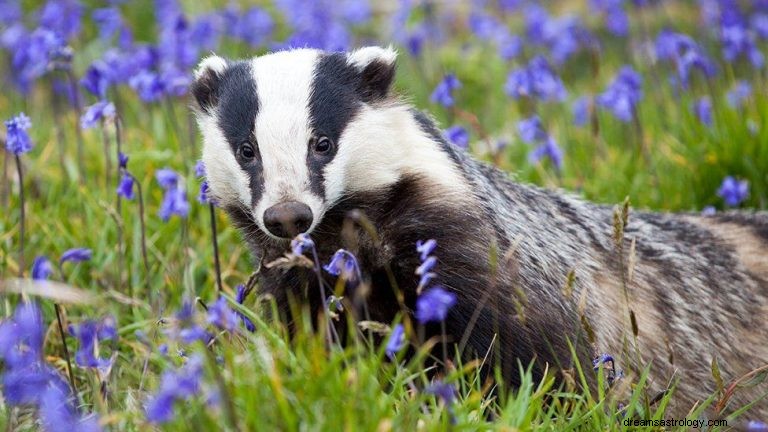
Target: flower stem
(216,262)
(144,255)
(119,208)
(21,225)
(229,406)
(66,350)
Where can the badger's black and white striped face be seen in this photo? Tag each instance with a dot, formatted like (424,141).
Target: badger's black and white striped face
(286,135)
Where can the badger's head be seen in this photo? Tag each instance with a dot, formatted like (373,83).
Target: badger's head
(289,134)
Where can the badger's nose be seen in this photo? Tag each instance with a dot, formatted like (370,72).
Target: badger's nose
(288,219)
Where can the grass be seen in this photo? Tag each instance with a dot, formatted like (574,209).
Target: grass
(274,382)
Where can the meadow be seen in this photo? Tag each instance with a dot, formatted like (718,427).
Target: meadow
(127,296)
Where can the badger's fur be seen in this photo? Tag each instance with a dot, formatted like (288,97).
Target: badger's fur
(697,286)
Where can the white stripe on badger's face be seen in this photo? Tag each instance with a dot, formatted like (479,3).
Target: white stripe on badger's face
(283,84)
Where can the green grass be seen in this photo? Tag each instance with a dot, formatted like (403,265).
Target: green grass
(278,383)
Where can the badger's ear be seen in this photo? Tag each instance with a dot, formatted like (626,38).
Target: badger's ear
(205,89)
(377,71)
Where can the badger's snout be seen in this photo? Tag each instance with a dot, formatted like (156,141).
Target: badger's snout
(288,219)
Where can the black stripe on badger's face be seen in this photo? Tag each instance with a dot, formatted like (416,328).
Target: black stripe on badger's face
(238,108)
(333,103)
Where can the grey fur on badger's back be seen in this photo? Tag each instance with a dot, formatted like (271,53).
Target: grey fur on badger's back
(295,140)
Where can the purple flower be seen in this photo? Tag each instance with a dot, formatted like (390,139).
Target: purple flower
(17,140)
(203,197)
(63,17)
(96,79)
(108,20)
(623,94)
(733,191)
(148,85)
(602,359)
(344,264)
(182,384)
(41,268)
(737,38)
(122,160)
(759,23)
(21,337)
(75,255)
(222,316)
(89,334)
(537,80)
(685,53)
(167,178)
(564,36)
(425,248)
(531,130)
(550,149)
(174,203)
(580,111)
(199,169)
(185,328)
(444,391)
(36,54)
(125,188)
(457,136)
(741,91)
(254,26)
(99,111)
(433,305)
(302,243)
(58,413)
(703,110)
(757,426)
(443,93)
(396,341)
(708,211)
(240,296)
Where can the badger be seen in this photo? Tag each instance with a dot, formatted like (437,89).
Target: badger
(297,140)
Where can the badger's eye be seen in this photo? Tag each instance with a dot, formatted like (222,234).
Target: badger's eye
(322,145)
(247,151)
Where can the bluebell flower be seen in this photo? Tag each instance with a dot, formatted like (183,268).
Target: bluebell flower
(537,80)
(36,54)
(102,110)
(241,294)
(302,243)
(733,191)
(444,391)
(125,187)
(122,160)
(25,385)
(182,384)
(425,248)
(601,359)
(222,316)
(185,327)
(17,140)
(202,196)
(344,264)
(580,111)
(63,17)
(174,203)
(89,334)
(549,149)
(443,93)
(96,79)
(433,305)
(564,36)
(623,94)
(737,38)
(757,426)
(109,21)
(708,211)
(76,255)
(396,341)
(685,53)
(759,24)
(508,45)
(21,336)
(41,268)
(57,413)
(457,136)
(424,271)
(531,130)
(175,82)
(254,26)
(147,85)
(741,91)
(199,169)
(703,110)
(167,178)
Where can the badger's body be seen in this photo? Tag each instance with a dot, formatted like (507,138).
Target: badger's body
(296,140)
